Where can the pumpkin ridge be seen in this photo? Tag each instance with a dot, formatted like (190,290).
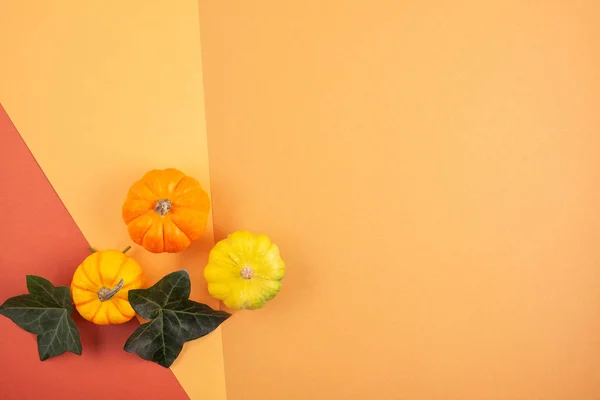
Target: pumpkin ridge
(87,276)
(128,221)
(98,263)
(108,313)
(186,192)
(177,185)
(163,235)
(116,304)
(182,193)
(178,227)
(150,189)
(96,312)
(145,233)
(84,302)
(119,270)
(140,216)
(137,277)
(82,288)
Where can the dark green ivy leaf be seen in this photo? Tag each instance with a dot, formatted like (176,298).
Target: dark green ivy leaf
(46,312)
(174,319)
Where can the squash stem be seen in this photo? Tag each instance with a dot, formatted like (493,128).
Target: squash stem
(126,249)
(107,294)
(162,207)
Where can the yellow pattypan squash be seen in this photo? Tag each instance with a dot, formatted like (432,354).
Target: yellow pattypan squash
(244,270)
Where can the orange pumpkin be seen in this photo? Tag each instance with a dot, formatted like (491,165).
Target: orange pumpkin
(166,210)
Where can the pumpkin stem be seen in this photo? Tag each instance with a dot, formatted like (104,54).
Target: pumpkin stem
(91,249)
(247,272)
(162,207)
(107,294)
(126,249)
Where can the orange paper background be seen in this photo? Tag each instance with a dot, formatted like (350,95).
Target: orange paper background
(430,170)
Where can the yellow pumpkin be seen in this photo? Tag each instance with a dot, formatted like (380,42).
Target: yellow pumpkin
(101,285)
(244,270)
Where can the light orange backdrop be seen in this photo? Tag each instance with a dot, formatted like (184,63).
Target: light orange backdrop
(430,170)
